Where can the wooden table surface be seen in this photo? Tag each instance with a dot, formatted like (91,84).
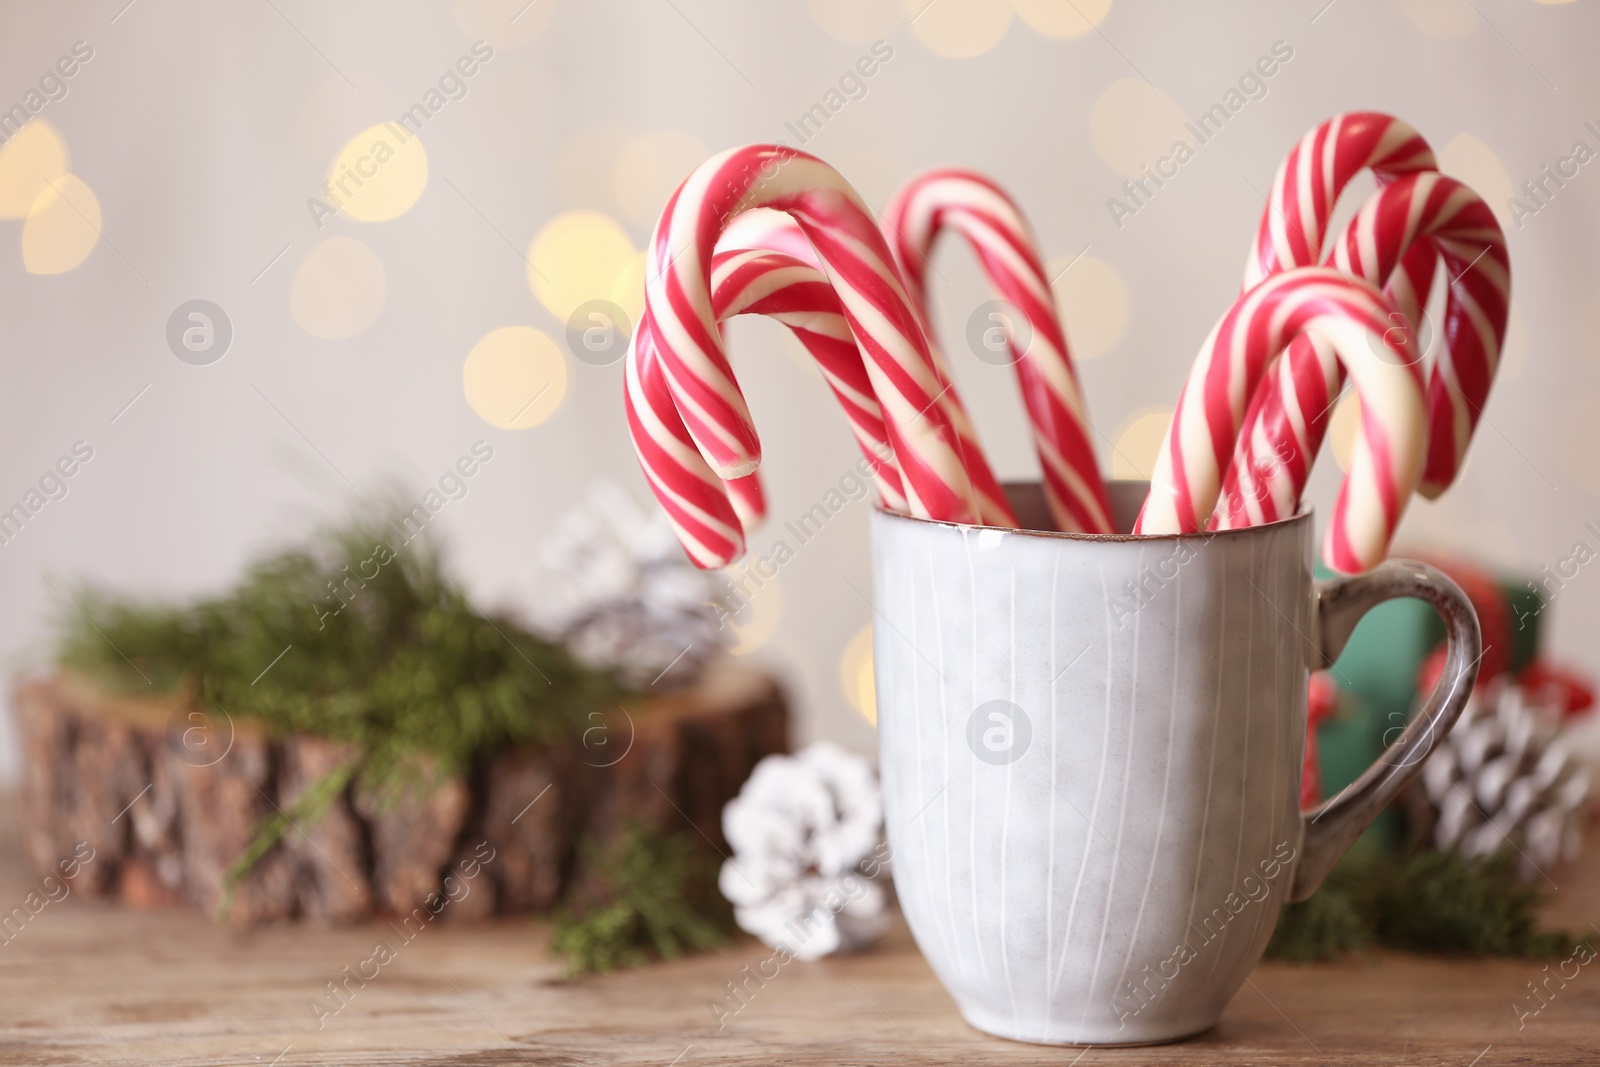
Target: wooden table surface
(89,983)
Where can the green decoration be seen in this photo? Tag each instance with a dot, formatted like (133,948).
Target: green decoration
(658,896)
(1420,901)
(350,639)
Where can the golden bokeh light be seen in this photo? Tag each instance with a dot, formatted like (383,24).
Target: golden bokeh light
(62,228)
(339,290)
(1093,300)
(1138,443)
(1132,124)
(504,23)
(378,175)
(578,256)
(856,675)
(1446,19)
(959,29)
(627,292)
(1343,426)
(1062,18)
(1471,161)
(857,21)
(650,167)
(515,377)
(754,624)
(29,162)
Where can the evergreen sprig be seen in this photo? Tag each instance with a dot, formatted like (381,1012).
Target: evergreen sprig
(358,636)
(657,895)
(1419,900)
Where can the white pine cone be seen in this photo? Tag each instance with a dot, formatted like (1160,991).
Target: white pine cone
(800,829)
(1503,778)
(611,583)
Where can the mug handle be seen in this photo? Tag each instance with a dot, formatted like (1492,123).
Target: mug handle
(1332,827)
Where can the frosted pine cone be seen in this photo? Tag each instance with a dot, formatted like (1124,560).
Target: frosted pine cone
(612,585)
(806,830)
(1503,778)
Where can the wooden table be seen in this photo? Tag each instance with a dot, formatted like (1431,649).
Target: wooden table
(86,983)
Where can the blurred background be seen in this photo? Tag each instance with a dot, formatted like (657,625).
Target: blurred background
(367,323)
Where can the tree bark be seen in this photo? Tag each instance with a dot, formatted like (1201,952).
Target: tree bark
(170,795)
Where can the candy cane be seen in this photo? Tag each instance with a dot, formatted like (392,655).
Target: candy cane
(773,230)
(1413,217)
(781,287)
(1353,317)
(1274,453)
(1314,174)
(683,325)
(993,224)
(748,283)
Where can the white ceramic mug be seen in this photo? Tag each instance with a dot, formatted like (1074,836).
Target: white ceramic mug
(1091,751)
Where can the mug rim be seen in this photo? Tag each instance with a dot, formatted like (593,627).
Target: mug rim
(1304,515)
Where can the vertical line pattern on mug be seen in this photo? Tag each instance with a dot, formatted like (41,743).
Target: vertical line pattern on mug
(1099,788)
(972,791)
(1244,762)
(1211,767)
(1005,817)
(1055,763)
(1122,808)
(1166,777)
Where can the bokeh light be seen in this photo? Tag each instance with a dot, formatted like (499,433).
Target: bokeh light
(1343,426)
(959,28)
(62,228)
(379,174)
(578,256)
(627,292)
(856,675)
(1471,161)
(1062,18)
(515,377)
(1446,19)
(1132,124)
(650,167)
(339,290)
(1093,300)
(1138,442)
(29,162)
(754,624)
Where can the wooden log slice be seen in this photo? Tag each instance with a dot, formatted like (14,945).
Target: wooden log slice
(169,795)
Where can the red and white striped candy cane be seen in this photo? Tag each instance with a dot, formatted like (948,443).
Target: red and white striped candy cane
(1277,444)
(780,287)
(1351,315)
(766,229)
(1314,174)
(992,223)
(1419,213)
(683,324)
